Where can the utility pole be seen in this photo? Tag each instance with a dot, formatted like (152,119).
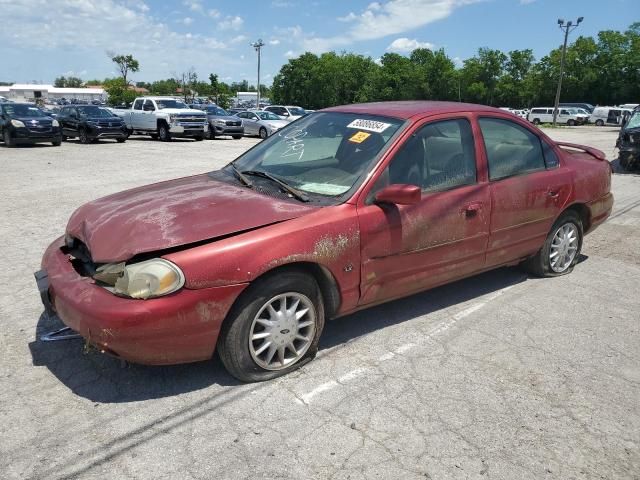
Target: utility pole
(566,28)
(258,48)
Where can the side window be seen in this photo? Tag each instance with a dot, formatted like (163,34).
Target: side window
(439,156)
(149,106)
(550,157)
(511,149)
(241,115)
(138,104)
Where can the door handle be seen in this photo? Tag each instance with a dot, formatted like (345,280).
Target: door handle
(553,193)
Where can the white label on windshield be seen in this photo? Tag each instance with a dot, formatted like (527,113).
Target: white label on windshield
(324,188)
(369,125)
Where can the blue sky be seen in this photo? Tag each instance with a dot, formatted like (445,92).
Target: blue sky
(42,39)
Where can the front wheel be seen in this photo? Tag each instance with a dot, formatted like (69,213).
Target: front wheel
(560,250)
(571,123)
(199,138)
(263,133)
(121,140)
(536,121)
(8,141)
(84,137)
(237,137)
(163,133)
(274,328)
(626,161)
(57,143)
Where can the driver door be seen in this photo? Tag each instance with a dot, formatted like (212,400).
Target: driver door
(148,115)
(443,237)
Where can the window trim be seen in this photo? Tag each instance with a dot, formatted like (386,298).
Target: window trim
(484,145)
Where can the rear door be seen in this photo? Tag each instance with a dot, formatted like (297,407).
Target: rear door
(407,248)
(528,188)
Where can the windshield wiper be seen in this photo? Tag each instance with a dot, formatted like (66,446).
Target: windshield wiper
(293,191)
(241,176)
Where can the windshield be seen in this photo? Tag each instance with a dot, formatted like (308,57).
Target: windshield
(267,116)
(296,111)
(217,111)
(634,121)
(324,153)
(170,104)
(94,112)
(17,110)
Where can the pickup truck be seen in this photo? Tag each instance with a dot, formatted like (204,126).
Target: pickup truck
(163,118)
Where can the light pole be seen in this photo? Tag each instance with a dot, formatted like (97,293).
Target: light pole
(258,47)
(566,28)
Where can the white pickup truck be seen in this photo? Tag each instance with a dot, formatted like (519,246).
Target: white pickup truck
(163,118)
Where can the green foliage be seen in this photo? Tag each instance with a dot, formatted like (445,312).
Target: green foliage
(68,82)
(118,91)
(126,64)
(604,70)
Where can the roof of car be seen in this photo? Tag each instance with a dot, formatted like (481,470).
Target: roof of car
(407,109)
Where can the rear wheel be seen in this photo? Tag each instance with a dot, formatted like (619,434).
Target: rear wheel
(561,249)
(163,133)
(536,121)
(199,138)
(274,327)
(121,140)
(263,133)
(237,137)
(57,142)
(571,122)
(599,123)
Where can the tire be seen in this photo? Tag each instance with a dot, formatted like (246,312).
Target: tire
(64,138)
(599,123)
(249,361)
(199,138)
(541,264)
(8,141)
(237,137)
(130,132)
(571,123)
(536,121)
(84,138)
(263,133)
(163,133)
(57,143)
(154,136)
(626,161)
(121,140)
(211,134)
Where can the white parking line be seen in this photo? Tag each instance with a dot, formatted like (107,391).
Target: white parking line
(439,328)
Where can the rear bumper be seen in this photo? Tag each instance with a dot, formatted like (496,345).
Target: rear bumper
(600,210)
(179,328)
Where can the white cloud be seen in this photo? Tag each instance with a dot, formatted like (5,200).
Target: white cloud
(281,4)
(380,19)
(290,54)
(231,23)
(458,62)
(348,18)
(187,20)
(213,13)
(526,2)
(404,44)
(274,41)
(194,5)
(85,29)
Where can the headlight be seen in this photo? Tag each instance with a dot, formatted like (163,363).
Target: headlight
(17,123)
(172,118)
(55,123)
(220,122)
(149,279)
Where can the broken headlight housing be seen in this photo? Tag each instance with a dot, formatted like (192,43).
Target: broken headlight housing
(148,279)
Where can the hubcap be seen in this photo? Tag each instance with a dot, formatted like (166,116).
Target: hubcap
(564,247)
(282,331)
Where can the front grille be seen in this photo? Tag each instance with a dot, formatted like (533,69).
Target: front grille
(190,118)
(104,124)
(231,123)
(40,129)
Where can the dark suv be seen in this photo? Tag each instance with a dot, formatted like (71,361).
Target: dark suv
(26,123)
(90,122)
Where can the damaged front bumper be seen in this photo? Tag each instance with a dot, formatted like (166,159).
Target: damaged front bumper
(179,328)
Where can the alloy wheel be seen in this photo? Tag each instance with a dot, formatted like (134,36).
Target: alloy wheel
(564,247)
(282,331)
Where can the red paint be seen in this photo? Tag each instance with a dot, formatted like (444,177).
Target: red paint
(371,251)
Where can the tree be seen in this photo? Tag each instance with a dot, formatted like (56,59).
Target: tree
(118,91)
(68,82)
(126,64)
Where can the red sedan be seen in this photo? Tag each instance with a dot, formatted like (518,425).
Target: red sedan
(343,209)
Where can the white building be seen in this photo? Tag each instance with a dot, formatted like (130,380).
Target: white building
(25,92)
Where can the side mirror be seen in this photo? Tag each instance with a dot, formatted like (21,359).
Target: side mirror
(399,194)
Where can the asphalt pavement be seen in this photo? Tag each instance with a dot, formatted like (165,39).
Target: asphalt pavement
(500,376)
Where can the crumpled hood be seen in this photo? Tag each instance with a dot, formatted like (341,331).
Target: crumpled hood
(173,213)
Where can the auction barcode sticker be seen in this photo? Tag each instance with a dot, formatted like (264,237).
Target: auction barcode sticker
(369,125)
